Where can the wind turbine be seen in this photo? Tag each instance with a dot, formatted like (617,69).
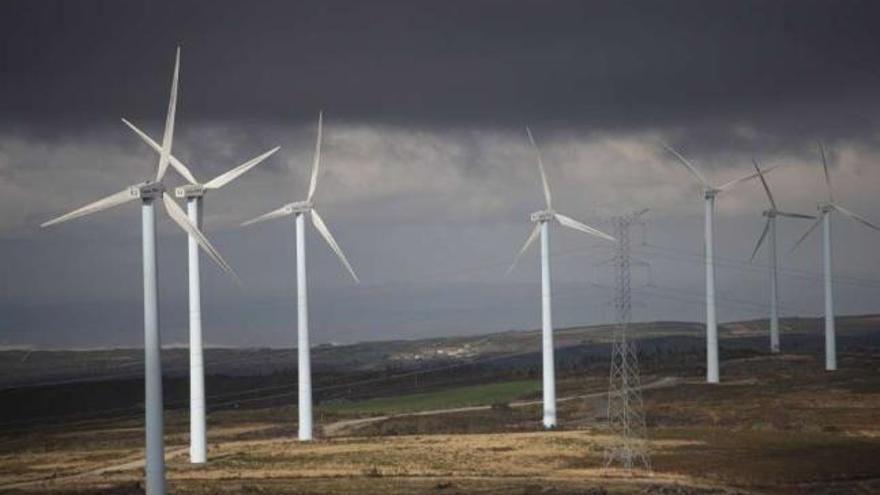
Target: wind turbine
(826,209)
(770,228)
(542,221)
(194,193)
(148,192)
(300,209)
(709,194)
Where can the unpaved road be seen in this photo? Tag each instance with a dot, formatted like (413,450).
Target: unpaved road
(336,429)
(339,428)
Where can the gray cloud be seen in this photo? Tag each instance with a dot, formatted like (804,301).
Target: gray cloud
(430,220)
(427,178)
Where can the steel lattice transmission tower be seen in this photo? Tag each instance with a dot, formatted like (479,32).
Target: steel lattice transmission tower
(626,415)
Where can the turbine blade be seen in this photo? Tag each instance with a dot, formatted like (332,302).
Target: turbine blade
(827,173)
(102,204)
(812,228)
(795,215)
(547,198)
(313,181)
(227,177)
(532,236)
(280,212)
(325,233)
(177,164)
(168,137)
(693,170)
(760,239)
(179,216)
(574,224)
(764,183)
(734,182)
(858,218)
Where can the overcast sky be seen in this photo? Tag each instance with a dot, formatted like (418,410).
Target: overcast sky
(427,178)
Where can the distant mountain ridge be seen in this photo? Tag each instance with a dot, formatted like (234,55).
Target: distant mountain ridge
(29,367)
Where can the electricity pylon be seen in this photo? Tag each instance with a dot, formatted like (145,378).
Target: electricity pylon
(628,448)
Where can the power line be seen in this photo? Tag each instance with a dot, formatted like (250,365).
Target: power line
(738,264)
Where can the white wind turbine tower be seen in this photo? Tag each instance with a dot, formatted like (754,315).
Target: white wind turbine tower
(709,194)
(826,209)
(148,192)
(300,209)
(194,193)
(770,228)
(542,221)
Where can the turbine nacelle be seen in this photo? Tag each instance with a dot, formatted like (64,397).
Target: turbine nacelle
(147,190)
(543,216)
(190,191)
(301,207)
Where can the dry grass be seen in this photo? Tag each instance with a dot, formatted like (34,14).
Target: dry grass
(776,425)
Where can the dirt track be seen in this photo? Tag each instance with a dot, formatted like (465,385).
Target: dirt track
(339,428)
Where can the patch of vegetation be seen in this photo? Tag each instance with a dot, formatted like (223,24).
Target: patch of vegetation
(475,395)
(767,458)
(470,422)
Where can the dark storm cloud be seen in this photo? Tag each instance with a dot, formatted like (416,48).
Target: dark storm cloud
(797,66)
(427,178)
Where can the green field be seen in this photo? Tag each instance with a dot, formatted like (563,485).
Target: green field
(475,395)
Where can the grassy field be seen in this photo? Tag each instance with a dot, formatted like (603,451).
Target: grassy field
(775,425)
(475,395)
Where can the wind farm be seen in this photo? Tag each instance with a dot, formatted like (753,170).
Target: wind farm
(717,350)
